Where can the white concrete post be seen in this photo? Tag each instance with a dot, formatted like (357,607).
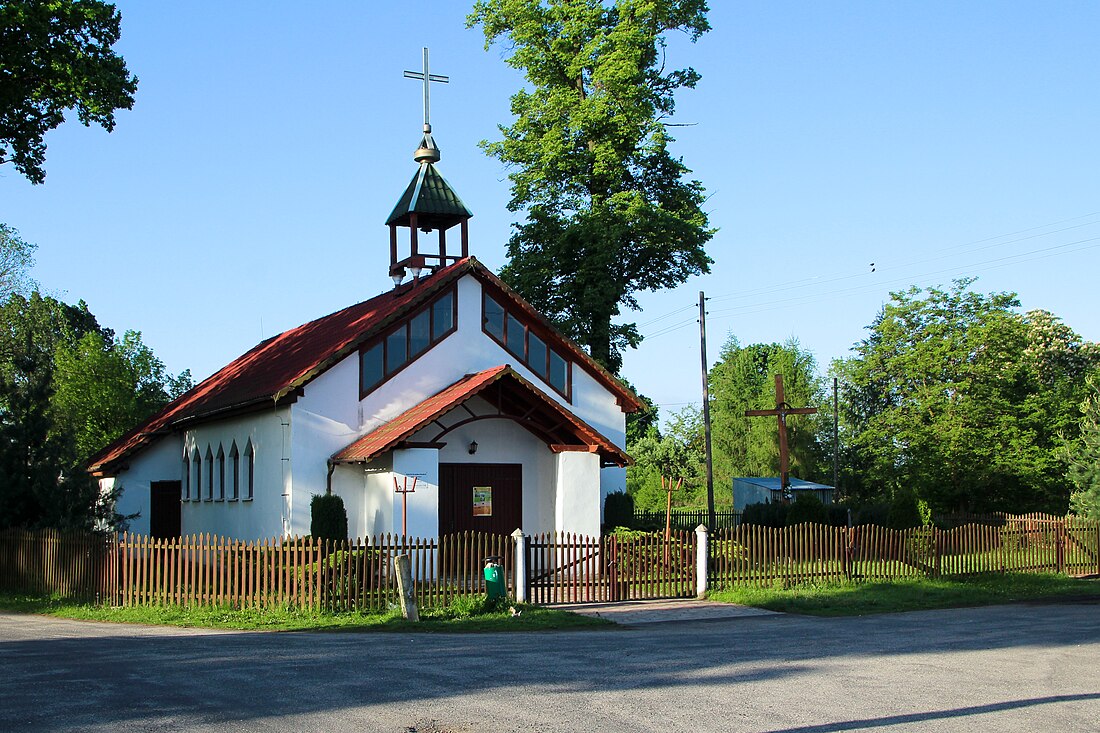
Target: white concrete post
(701,560)
(520,565)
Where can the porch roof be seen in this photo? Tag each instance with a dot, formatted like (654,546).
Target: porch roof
(512,396)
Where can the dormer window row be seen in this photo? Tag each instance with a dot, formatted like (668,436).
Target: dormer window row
(533,349)
(388,354)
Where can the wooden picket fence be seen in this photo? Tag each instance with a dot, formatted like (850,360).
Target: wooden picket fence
(570,568)
(67,563)
(303,572)
(559,568)
(756,555)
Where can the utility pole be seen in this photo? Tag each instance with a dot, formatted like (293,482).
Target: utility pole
(706,409)
(836,438)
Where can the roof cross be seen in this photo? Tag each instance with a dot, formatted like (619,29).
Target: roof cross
(427,77)
(782,409)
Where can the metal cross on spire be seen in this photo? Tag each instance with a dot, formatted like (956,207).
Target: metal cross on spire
(427,77)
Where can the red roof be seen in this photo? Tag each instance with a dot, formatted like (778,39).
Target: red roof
(275,371)
(539,414)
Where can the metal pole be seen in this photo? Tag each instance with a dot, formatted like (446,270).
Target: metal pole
(706,408)
(836,439)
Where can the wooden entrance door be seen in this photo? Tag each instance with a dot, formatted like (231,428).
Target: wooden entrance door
(497,488)
(164,509)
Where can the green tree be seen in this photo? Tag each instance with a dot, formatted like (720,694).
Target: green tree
(67,386)
(105,387)
(961,399)
(676,454)
(610,211)
(16,259)
(55,55)
(1084,457)
(744,379)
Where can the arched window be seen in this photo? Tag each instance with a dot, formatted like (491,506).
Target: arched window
(235,471)
(196,475)
(250,469)
(186,483)
(209,474)
(221,474)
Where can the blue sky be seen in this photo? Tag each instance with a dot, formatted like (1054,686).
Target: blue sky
(246,191)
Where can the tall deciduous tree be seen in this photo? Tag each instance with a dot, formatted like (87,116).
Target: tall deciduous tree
(55,56)
(962,399)
(16,259)
(744,379)
(1084,457)
(610,211)
(67,386)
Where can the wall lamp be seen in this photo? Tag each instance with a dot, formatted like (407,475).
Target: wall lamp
(473,447)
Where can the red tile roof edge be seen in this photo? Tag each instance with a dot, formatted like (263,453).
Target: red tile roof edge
(388,435)
(179,411)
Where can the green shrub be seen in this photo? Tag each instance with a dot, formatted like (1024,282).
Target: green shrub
(328,519)
(765,514)
(873,514)
(806,508)
(905,511)
(618,509)
(837,514)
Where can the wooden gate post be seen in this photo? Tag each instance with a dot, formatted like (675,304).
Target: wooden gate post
(405,592)
(519,566)
(701,556)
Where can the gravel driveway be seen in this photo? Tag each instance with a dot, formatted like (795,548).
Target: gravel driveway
(1004,668)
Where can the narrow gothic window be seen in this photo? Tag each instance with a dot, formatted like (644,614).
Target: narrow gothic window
(235,468)
(250,467)
(221,474)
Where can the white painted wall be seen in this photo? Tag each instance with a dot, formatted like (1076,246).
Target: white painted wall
(161,461)
(423,504)
(266,515)
(577,495)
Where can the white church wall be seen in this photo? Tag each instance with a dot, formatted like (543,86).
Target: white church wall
(422,519)
(323,420)
(367,494)
(266,514)
(577,494)
(161,461)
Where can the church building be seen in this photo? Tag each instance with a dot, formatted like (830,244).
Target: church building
(445,404)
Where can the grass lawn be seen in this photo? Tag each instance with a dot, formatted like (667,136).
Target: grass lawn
(464,615)
(914,594)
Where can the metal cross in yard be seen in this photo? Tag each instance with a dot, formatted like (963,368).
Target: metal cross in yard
(782,409)
(404,490)
(427,78)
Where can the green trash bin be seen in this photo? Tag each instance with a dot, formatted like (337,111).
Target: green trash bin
(494,578)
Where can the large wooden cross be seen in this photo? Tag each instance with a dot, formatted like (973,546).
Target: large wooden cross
(782,409)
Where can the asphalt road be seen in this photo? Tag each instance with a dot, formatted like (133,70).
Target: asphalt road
(1007,668)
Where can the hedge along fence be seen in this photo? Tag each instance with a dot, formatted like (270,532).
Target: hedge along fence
(757,555)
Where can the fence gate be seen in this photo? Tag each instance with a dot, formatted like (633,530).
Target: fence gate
(571,568)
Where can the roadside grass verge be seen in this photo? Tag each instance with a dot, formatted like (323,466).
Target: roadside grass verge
(915,594)
(470,614)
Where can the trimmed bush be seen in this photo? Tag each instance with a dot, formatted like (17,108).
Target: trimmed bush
(806,508)
(765,514)
(328,520)
(905,511)
(618,509)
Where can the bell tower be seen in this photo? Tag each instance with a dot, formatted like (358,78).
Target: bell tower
(428,204)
